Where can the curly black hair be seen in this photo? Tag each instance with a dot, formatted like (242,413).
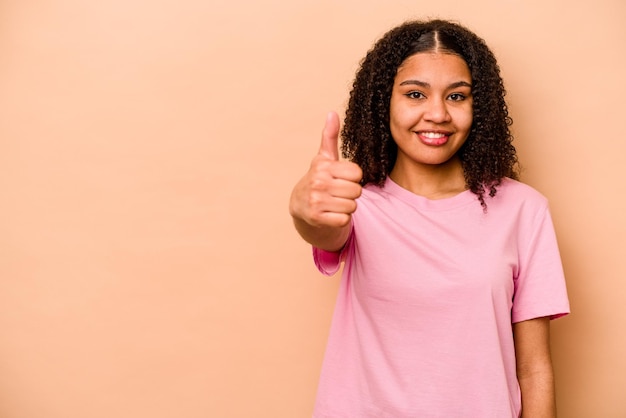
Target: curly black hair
(487,156)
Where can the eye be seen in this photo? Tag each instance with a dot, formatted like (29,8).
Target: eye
(457,97)
(415,95)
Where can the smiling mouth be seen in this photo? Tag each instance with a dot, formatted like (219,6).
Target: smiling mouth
(433,134)
(433,138)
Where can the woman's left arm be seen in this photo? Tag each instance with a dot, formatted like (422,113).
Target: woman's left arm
(534,367)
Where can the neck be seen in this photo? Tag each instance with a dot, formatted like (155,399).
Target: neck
(431,181)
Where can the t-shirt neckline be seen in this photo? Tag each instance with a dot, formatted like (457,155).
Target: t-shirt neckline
(461,199)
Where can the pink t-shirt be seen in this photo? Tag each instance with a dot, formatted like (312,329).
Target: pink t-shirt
(423,320)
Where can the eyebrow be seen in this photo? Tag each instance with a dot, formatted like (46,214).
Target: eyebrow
(426,85)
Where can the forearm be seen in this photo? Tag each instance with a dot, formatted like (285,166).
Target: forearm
(538,400)
(534,368)
(323,237)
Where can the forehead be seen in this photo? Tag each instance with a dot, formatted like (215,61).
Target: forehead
(434,66)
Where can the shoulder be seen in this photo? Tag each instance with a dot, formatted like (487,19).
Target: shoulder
(518,204)
(374,194)
(388,194)
(513,192)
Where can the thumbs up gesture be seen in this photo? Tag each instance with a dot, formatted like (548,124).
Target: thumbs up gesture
(323,201)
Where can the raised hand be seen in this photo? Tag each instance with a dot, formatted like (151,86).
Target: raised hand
(323,201)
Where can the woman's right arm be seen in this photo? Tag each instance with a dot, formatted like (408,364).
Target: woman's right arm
(323,201)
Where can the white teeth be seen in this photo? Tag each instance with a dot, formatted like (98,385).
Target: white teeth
(433,135)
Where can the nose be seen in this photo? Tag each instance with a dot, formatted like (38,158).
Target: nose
(437,111)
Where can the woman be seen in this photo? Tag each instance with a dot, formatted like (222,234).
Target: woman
(451,267)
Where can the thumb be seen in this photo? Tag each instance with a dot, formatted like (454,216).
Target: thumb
(330,137)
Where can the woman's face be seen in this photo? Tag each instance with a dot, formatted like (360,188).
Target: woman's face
(430,109)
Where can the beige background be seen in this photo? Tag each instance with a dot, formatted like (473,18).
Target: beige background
(148,267)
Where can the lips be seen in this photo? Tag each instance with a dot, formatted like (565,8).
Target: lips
(434,138)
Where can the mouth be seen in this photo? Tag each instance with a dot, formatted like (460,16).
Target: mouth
(434,138)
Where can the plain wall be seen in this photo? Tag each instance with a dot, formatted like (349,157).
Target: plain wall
(148,265)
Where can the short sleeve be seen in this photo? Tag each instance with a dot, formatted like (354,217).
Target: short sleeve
(540,288)
(328,262)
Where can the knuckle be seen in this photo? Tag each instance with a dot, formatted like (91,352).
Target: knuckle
(317,184)
(315,200)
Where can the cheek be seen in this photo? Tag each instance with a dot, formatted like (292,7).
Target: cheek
(394,121)
(464,118)
(399,127)
(400,117)
(469,120)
